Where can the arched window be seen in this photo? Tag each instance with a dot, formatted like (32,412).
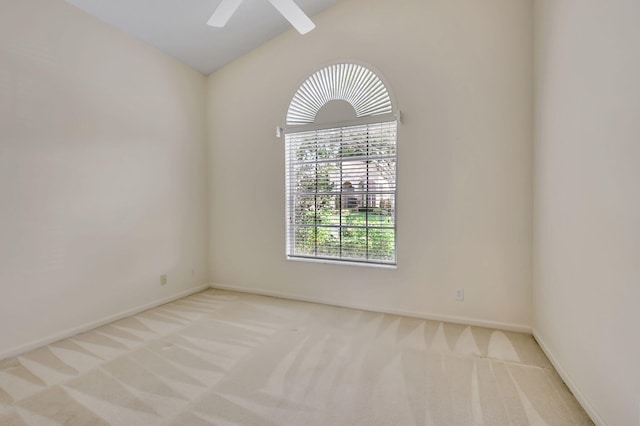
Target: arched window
(340,137)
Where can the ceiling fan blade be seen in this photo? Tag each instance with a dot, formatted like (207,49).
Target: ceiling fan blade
(223,12)
(292,12)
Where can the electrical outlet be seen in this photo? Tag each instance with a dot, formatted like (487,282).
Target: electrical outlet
(163,279)
(460,295)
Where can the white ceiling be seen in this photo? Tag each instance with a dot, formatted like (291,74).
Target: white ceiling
(179,27)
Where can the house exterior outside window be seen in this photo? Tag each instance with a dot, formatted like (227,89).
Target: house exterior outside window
(340,139)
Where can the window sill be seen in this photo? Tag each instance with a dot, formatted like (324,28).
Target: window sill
(342,262)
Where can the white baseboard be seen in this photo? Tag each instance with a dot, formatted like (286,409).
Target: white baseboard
(588,407)
(98,323)
(364,307)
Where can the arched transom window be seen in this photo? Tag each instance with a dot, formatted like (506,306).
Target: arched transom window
(341,137)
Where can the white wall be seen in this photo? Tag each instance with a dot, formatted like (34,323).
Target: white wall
(461,71)
(587,200)
(102,173)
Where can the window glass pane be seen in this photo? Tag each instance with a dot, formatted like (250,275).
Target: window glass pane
(304,241)
(328,210)
(328,240)
(354,243)
(382,214)
(304,178)
(382,244)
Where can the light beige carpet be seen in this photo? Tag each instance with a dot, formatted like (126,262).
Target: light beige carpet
(224,358)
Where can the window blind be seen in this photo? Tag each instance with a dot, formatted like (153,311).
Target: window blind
(341,193)
(355,84)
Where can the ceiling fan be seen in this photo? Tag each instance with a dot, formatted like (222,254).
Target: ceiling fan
(288,8)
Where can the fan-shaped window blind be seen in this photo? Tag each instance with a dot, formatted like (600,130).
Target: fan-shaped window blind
(341,160)
(355,84)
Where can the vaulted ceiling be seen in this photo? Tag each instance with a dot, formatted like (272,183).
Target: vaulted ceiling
(179,27)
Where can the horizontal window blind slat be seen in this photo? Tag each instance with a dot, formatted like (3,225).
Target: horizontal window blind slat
(345,159)
(343,259)
(338,193)
(343,227)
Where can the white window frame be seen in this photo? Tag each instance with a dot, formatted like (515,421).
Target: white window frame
(374,110)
